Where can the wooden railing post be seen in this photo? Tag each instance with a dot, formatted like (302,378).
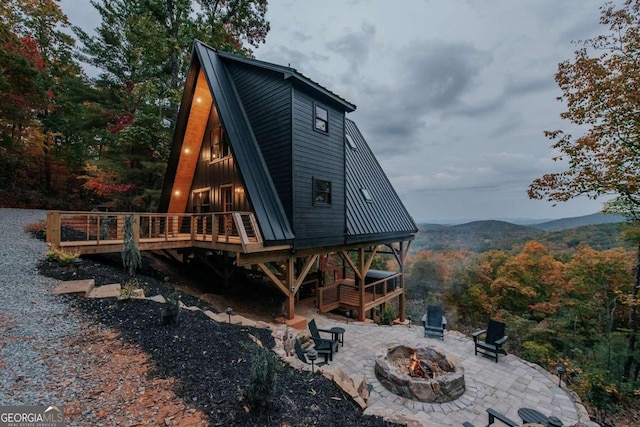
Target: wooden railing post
(136,229)
(53,228)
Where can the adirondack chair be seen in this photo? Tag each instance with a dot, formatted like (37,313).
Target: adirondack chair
(434,326)
(494,338)
(302,355)
(322,345)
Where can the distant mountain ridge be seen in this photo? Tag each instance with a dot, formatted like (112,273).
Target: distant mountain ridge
(598,231)
(578,221)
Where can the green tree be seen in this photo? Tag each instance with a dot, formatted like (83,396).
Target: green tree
(601,88)
(142,49)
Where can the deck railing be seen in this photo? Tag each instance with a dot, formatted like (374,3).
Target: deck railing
(86,229)
(346,294)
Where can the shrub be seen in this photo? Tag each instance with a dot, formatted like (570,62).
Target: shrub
(387,316)
(131,259)
(171,309)
(263,378)
(603,396)
(61,256)
(37,230)
(128,289)
(536,352)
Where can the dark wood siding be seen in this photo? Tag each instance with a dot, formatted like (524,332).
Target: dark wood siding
(214,174)
(266,98)
(317,155)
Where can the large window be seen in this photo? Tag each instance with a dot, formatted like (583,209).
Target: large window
(321,192)
(321,118)
(219,144)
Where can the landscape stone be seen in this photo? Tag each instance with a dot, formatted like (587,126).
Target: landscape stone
(157,298)
(74,287)
(105,291)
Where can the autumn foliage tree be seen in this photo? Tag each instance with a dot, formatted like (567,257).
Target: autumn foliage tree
(601,88)
(42,90)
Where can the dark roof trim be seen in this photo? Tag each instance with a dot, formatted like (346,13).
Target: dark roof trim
(262,192)
(292,74)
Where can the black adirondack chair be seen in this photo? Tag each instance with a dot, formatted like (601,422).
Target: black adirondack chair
(434,327)
(322,345)
(302,355)
(493,341)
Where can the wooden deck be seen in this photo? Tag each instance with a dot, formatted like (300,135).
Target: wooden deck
(346,295)
(102,232)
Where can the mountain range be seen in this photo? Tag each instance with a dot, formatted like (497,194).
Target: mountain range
(599,231)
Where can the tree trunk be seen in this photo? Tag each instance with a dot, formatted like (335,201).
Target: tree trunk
(633,322)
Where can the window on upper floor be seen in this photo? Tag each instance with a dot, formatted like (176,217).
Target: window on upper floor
(218,144)
(321,118)
(321,192)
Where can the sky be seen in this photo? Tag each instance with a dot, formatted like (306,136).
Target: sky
(453,96)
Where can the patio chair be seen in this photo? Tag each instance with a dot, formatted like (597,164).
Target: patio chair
(322,345)
(434,325)
(494,338)
(302,355)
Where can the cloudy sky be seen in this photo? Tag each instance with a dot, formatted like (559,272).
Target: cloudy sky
(453,96)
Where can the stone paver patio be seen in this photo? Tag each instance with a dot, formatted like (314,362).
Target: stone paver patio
(505,386)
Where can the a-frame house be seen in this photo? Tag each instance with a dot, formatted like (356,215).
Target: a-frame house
(275,177)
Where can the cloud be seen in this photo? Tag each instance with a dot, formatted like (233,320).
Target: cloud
(429,80)
(355,46)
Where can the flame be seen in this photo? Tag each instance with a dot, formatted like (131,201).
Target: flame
(415,368)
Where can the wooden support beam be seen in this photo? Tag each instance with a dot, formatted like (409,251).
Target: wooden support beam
(305,270)
(345,256)
(276,281)
(370,260)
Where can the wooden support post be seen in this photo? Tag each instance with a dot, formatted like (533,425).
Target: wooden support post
(291,288)
(402,302)
(361,274)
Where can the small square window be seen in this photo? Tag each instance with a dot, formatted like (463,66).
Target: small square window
(321,119)
(321,192)
(366,195)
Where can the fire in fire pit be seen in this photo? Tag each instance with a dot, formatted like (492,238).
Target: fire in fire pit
(420,368)
(423,374)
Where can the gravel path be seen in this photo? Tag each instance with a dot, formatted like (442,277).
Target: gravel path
(33,324)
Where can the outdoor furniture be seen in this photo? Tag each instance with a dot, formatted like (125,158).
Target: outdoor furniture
(492,344)
(532,416)
(310,356)
(337,334)
(322,345)
(434,322)
(493,415)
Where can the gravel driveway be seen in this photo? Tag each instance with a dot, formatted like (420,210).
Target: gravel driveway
(33,323)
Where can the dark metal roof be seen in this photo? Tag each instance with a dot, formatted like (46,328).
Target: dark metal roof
(267,208)
(385,214)
(292,74)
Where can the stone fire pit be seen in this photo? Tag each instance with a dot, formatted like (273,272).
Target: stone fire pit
(392,369)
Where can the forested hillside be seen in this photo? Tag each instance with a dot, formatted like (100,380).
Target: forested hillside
(483,236)
(70,141)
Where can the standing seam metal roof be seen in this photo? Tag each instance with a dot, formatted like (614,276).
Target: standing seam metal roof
(385,214)
(267,207)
